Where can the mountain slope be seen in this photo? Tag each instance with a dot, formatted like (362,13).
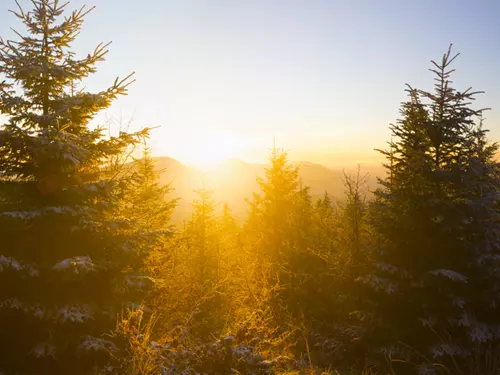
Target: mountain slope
(235,180)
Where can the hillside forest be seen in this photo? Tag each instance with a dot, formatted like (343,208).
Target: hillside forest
(398,275)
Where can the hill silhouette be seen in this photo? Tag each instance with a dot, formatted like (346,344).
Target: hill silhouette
(234,180)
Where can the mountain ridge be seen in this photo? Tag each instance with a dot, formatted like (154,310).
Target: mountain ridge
(233,180)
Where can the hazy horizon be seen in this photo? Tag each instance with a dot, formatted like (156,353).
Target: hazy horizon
(330,161)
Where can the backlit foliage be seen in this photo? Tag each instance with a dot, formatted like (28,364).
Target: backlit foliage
(96,279)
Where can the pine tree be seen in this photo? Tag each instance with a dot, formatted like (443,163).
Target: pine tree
(69,262)
(436,218)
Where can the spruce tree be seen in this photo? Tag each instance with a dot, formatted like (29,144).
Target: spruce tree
(352,216)
(202,234)
(436,217)
(69,261)
(204,254)
(325,226)
(148,201)
(280,224)
(148,206)
(273,207)
(228,233)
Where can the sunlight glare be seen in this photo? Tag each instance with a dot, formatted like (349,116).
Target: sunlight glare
(209,149)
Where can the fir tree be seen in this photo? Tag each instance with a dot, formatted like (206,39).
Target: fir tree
(281,225)
(325,226)
(202,235)
(352,215)
(229,239)
(69,262)
(436,218)
(273,207)
(204,252)
(147,203)
(227,222)
(148,206)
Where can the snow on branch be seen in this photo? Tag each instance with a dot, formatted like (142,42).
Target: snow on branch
(33,214)
(15,265)
(140,282)
(450,274)
(79,265)
(74,314)
(379,283)
(445,349)
(91,343)
(44,349)
(482,333)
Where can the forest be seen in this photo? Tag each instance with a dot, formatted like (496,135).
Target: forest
(400,277)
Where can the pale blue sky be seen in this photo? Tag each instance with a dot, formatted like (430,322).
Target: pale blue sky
(325,77)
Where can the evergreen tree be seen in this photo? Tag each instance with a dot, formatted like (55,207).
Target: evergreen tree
(280,223)
(69,262)
(273,208)
(302,219)
(147,203)
(352,216)
(227,222)
(204,254)
(436,217)
(202,236)
(149,208)
(325,226)
(229,240)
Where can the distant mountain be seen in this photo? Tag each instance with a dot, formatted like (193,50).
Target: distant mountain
(234,180)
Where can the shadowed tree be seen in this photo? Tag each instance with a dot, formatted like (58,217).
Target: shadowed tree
(69,261)
(436,216)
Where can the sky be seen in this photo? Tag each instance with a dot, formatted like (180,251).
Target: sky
(324,79)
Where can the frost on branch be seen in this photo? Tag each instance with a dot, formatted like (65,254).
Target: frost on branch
(80,265)
(426,369)
(39,312)
(44,349)
(428,322)
(140,282)
(15,265)
(60,210)
(57,314)
(450,274)
(387,267)
(482,333)
(74,314)
(450,350)
(91,343)
(465,320)
(14,304)
(458,302)
(379,283)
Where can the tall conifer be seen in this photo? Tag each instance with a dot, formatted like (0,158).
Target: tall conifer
(69,262)
(437,220)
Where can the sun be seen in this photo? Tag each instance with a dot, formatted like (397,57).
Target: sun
(211,148)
